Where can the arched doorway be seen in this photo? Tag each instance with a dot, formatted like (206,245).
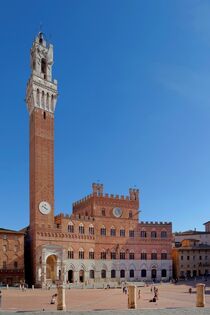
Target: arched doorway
(153,273)
(51,264)
(81,276)
(71,276)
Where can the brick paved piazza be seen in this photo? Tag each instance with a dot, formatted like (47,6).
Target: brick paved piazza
(170,296)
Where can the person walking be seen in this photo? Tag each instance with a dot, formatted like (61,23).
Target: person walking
(139,294)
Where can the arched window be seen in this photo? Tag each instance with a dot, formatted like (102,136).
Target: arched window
(113,255)
(92,274)
(143,273)
(153,234)
(131,273)
(122,254)
(143,234)
(164,255)
(103,231)
(81,253)
(163,273)
(103,212)
(122,232)
(113,273)
(103,274)
(154,255)
(91,229)
(52,103)
(130,214)
(47,101)
(42,100)
(44,67)
(81,229)
(38,97)
(131,254)
(70,254)
(131,233)
(103,254)
(122,273)
(112,231)
(91,254)
(163,234)
(71,227)
(143,255)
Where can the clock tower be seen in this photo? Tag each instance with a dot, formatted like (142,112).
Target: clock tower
(41,96)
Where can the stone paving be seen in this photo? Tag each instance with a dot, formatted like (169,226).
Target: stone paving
(173,299)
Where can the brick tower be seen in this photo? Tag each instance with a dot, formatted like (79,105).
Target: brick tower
(41,99)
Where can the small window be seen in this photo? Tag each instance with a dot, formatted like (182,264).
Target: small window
(182,257)
(131,273)
(113,273)
(113,231)
(113,255)
(92,274)
(131,233)
(122,255)
(103,274)
(15,264)
(122,232)
(131,256)
(163,234)
(103,255)
(70,254)
(103,231)
(44,115)
(143,234)
(143,273)
(81,229)
(153,234)
(103,213)
(143,256)
(154,256)
(81,254)
(130,215)
(163,256)
(163,273)
(91,254)
(91,230)
(122,273)
(71,228)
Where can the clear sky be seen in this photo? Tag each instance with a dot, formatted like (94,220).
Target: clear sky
(133,107)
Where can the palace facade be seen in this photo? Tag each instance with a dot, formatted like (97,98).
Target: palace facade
(103,239)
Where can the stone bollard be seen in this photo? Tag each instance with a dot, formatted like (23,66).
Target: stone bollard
(32,287)
(200,297)
(61,304)
(7,286)
(132,296)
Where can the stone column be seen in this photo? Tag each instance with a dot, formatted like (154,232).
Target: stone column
(132,296)
(200,297)
(61,304)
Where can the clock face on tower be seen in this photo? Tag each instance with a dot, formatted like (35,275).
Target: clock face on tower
(44,207)
(117,212)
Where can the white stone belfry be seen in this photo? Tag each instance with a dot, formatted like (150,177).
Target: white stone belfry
(41,88)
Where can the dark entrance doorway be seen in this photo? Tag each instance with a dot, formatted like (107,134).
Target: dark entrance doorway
(71,276)
(153,273)
(81,276)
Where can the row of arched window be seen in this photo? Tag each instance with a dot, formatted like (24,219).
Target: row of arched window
(143,273)
(112,232)
(45,100)
(131,255)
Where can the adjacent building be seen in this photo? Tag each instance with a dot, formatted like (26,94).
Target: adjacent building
(191,253)
(11,257)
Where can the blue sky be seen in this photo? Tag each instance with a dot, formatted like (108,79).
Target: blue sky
(133,107)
